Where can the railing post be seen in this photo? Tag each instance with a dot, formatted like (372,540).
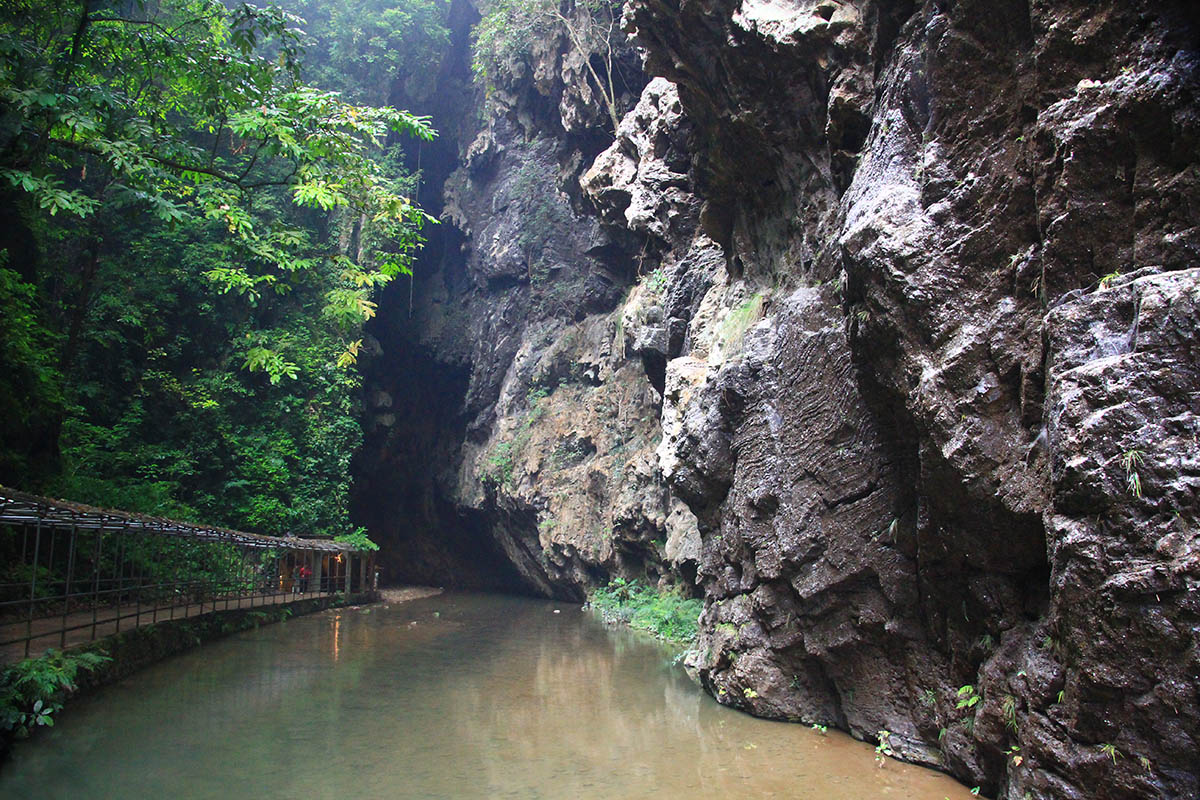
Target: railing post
(157,584)
(96,578)
(120,573)
(247,590)
(37,542)
(171,590)
(62,642)
(140,566)
(50,562)
(247,577)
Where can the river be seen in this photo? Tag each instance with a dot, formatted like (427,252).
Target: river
(454,696)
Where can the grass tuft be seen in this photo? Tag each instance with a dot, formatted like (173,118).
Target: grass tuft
(732,329)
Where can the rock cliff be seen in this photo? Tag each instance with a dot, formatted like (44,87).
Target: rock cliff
(874,324)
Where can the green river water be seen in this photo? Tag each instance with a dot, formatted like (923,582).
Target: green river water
(455,696)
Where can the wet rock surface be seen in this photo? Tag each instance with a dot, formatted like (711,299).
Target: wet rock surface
(518,448)
(875,324)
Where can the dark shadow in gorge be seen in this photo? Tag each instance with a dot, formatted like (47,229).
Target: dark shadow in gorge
(414,418)
(402,469)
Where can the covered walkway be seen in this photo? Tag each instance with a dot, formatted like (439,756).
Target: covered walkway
(74,573)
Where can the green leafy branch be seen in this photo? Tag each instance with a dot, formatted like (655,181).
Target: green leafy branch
(189,110)
(32,691)
(357,539)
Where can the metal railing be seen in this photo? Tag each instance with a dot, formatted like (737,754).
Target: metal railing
(71,574)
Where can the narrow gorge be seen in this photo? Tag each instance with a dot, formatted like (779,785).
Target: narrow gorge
(847,346)
(873,324)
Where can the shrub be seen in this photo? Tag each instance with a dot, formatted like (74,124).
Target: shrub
(32,691)
(667,615)
(358,539)
(504,33)
(502,39)
(500,465)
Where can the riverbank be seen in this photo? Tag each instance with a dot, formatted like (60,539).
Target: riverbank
(404,594)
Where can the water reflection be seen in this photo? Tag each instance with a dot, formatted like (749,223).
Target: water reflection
(457,696)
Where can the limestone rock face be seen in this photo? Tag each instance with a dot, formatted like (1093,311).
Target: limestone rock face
(874,323)
(641,183)
(1124,543)
(925,476)
(518,448)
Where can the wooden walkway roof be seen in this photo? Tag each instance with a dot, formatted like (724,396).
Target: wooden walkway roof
(22,508)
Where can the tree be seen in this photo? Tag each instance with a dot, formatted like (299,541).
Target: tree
(178,313)
(368,49)
(188,109)
(591,25)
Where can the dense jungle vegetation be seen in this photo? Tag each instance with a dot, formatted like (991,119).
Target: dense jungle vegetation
(199,201)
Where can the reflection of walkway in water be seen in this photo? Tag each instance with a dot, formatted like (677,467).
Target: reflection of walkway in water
(47,632)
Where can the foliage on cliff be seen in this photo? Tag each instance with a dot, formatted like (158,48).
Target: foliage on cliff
(509,29)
